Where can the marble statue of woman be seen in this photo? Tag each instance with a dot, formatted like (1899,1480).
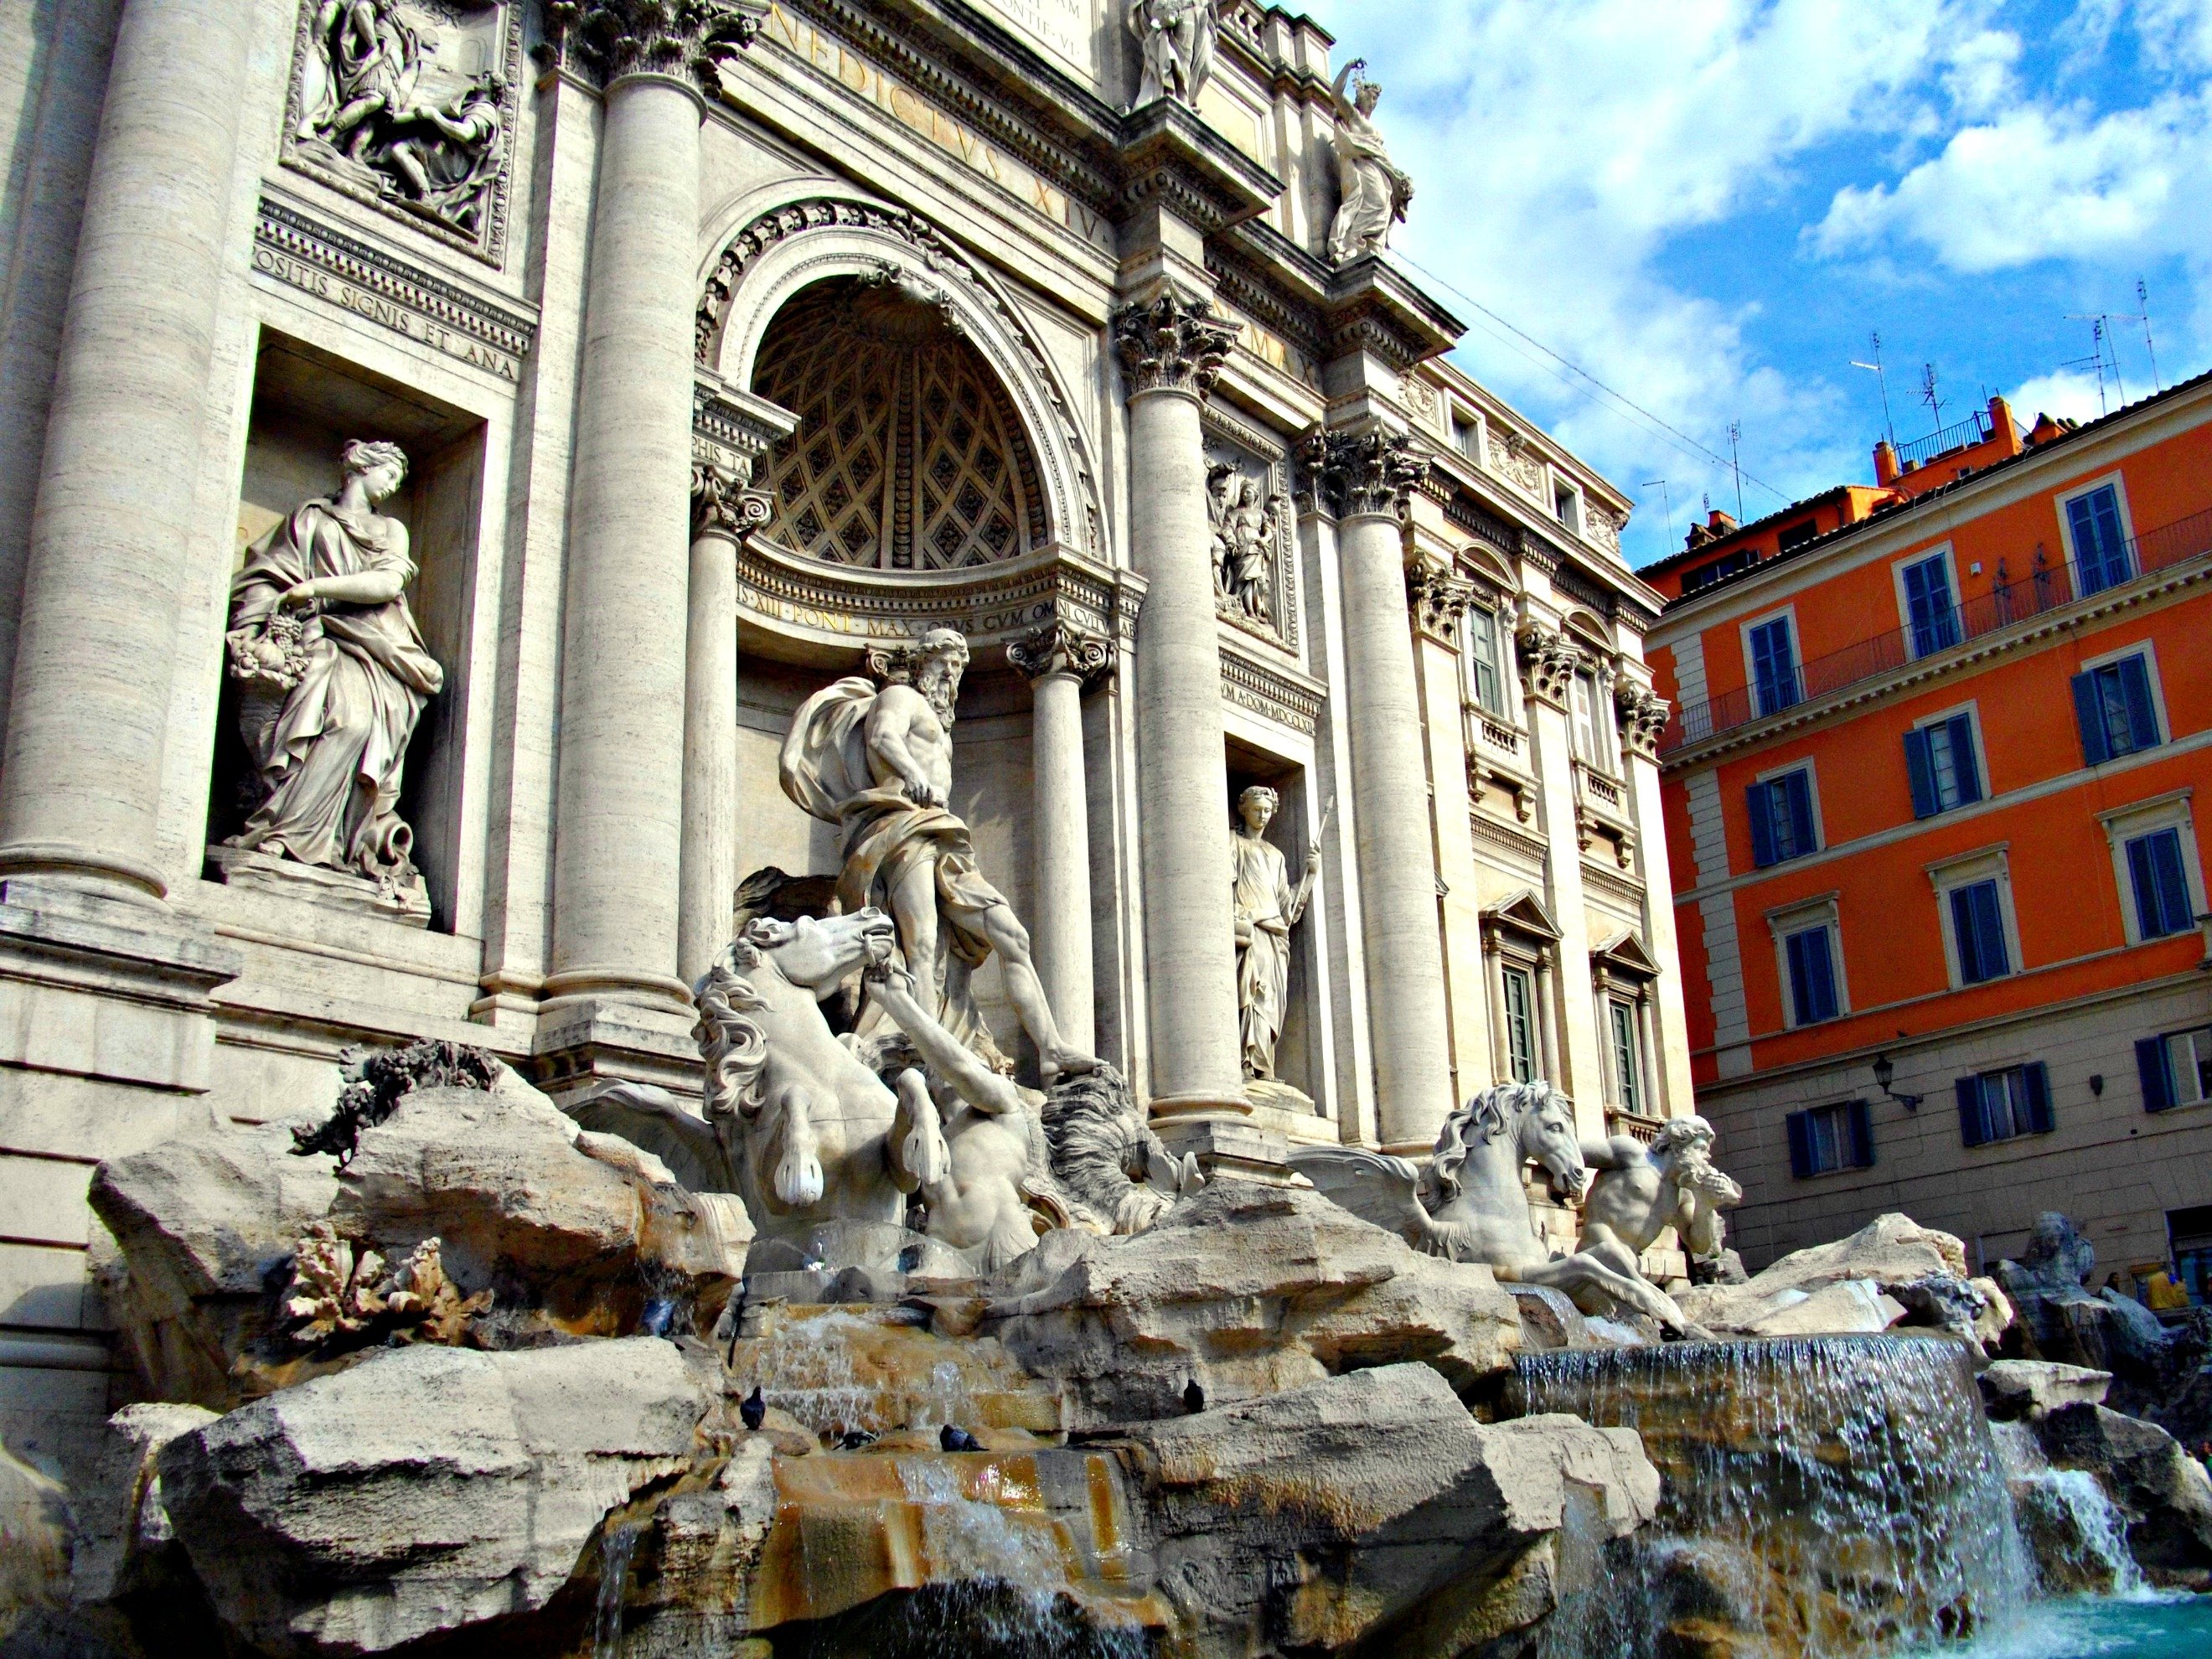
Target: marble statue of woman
(1267,907)
(1373,193)
(1176,38)
(333,675)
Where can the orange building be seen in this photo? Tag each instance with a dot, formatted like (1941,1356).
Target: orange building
(1930,792)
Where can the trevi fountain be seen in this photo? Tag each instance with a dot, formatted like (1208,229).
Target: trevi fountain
(806,851)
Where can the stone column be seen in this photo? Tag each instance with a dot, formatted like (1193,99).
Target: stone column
(1610,1086)
(1547,1025)
(719,524)
(1171,349)
(1366,477)
(1648,1053)
(1501,1049)
(619,834)
(114,531)
(1060,660)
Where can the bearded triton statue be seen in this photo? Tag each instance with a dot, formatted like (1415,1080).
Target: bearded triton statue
(877,762)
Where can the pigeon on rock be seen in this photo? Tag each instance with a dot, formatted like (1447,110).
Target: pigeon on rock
(1194,1397)
(953,1439)
(754,1410)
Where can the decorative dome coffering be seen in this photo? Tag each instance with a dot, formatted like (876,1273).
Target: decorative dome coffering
(907,455)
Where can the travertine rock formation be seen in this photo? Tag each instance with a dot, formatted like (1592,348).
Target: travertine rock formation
(2163,1492)
(1245,1290)
(425,1489)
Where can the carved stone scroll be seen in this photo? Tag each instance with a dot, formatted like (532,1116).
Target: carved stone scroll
(1061,648)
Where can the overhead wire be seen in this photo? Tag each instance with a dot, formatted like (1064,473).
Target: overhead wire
(1629,409)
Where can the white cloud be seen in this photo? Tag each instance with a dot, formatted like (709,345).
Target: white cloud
(2043,184)
(2064,394)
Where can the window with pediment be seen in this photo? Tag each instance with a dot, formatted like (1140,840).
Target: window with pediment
(907,455)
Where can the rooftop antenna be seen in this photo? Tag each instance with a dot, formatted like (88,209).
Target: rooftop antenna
(2143,302)
(1888,424)
(2096,362)
(1667,502)
(1736,440)
(1928,394)
(2100,335)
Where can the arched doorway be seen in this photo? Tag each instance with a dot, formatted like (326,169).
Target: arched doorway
(909,455)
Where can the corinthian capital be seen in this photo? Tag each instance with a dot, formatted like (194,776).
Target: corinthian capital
(1062,647)
(1643,717)
(723,504)
(1549,661)
(1363,473)
(1173,344)
(1438,600)
(684,38)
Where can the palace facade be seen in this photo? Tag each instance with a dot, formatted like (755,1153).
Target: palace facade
(446,442)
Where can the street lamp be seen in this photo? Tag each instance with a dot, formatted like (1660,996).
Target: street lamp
(1883,1071)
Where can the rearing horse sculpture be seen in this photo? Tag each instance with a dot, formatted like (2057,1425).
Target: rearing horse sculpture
(1468,1205)
(795,1123)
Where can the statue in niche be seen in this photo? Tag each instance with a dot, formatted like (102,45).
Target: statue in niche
(1639,1191)
(1176,39)
(877,762)
(1372,193)
(1468,1205)
(417,130)
(333,676)
(1246,521)
(1267,907)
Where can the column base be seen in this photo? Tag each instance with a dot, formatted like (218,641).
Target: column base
(1229,1146)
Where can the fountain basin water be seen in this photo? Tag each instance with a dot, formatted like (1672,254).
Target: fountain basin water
(1821,1495)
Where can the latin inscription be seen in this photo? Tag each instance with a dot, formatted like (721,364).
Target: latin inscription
(1060,27)
(386,312)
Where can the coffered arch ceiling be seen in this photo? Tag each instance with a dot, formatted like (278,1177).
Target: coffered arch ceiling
(909,454)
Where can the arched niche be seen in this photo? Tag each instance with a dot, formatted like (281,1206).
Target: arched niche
(849,247)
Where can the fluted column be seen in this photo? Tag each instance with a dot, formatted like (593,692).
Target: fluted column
(112,533)
(1171,350)
(619,832)
(1366,478)
(1060,660)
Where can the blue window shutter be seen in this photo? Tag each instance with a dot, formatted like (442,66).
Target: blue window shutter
(2142,718)
(2172,880)
(1920,774)
(1964,757)
(1800,984)
(1973,1127)
(1759,808)
(2157,1081)
(1820,973)
(2149,922)
(2090,713)
(2040,1120)
(1862,1136)
(2087,554)
(1800,1144)
(1797,791)
(1976,917)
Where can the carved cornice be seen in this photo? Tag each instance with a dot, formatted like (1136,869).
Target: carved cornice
(366,281)
(1548,660)
(1062,647)
(1170,344)
(1371,472)
(1290,700)
(1644,716)
(1438,600)
(686,38)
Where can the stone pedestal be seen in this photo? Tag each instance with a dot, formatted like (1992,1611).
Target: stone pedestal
(1171,349)
(619,840)
(115,528)
(1365,477)
(337,889)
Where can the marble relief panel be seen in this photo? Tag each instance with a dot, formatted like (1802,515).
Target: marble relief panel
(1253,549)
(410,106)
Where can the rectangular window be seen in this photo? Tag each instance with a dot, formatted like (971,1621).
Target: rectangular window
(1780,811)
(2190,1234)
(1933,619)
(1796,535)
(2002,1105)
(1978,930)
(2100,551)
(1520,1024)
(1467,436)
(1482,651)
(1774,676)
(1940,763)
(1825,1139)
(2160,884)
(1566,506)
(1812,975)
(1627,1060)
(2112,706)
(1588,726)
(2176,1068)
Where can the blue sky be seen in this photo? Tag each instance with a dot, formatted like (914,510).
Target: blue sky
(1710,204)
